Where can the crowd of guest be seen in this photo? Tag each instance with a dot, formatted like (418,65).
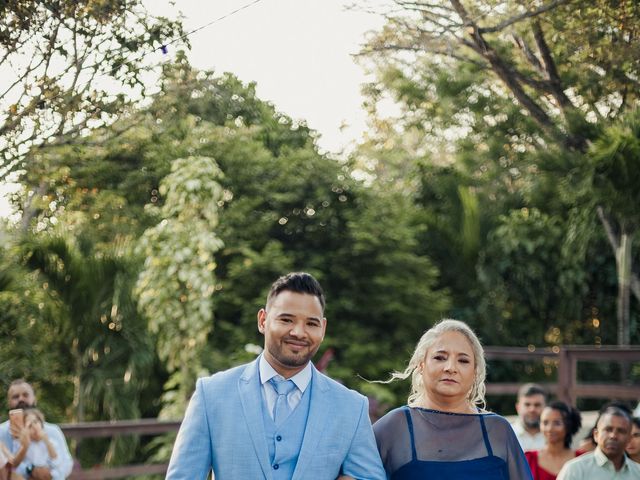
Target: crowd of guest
(545,431)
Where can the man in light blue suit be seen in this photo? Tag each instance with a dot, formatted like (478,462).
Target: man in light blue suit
(278,418)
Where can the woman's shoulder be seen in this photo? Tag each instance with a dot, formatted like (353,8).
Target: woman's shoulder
(495,419)
(392,416)
(498,424)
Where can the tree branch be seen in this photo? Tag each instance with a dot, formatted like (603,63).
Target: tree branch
(530,14)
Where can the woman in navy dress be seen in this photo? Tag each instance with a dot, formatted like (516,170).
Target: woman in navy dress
(444,431)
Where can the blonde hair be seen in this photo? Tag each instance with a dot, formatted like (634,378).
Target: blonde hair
(478,389)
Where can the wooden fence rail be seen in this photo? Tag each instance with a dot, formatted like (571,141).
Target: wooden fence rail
(566,388)
(146,426)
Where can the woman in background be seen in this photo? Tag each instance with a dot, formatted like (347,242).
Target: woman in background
(444,431)
(633,448)
(558,423)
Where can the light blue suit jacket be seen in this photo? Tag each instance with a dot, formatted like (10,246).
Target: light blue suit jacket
(223,431)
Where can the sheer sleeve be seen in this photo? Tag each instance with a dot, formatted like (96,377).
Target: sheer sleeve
(394,442)
(505,444)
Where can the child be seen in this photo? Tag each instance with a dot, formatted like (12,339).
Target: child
(41,452)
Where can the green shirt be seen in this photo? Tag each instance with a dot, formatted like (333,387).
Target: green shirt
(596,466)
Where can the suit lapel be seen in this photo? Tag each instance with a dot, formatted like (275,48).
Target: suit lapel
(316,421)
(251,398)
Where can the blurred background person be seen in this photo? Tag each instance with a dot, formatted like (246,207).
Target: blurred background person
(21,395)
(531,400)
(608,460)
(444,432)
(558,424)
(633,447)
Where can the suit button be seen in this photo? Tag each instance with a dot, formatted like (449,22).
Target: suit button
(276,466)
(278,438)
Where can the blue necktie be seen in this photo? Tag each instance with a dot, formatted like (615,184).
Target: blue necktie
(281,408)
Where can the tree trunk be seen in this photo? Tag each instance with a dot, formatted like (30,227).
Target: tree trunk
(623,264)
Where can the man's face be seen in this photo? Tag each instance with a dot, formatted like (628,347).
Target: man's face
(21,396)
(529,409)
(293,329)
(612,435)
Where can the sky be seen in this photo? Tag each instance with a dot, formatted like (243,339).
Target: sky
(299,52)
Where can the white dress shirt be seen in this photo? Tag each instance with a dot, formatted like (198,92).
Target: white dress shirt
(527,440)
(269,394)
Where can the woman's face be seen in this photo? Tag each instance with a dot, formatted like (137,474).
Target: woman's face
(448,370)
(633,447)
(552,426)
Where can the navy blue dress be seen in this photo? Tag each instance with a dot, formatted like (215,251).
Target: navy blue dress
(422,444)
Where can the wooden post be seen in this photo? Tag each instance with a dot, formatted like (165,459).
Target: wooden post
(567,377)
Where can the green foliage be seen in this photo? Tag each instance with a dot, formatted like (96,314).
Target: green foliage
(60,50)
(176,284)
(616,170)
(528,284)
(101,345)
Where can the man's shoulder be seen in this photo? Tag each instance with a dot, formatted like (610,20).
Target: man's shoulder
(4,432)
(337,388)
(517,427)
(223,377)
(580,463)
(633,466)
(52,427)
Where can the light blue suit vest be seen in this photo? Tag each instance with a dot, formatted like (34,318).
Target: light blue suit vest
(284,442)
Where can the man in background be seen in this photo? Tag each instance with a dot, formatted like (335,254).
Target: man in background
(532,399)
(21,395)
(608,460)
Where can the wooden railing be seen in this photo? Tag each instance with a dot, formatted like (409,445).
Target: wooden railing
(566,388)
(150,426)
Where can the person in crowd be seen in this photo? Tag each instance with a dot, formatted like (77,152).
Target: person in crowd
(531,400)
(558,423)
(278,417)
(444,431)
(21,395)
(41,451)
(608,460)
(633,447)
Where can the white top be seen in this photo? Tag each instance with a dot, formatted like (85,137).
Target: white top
(38,455)
(269,394)
(527,440)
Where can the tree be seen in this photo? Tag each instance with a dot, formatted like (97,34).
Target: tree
(63,55)
(504,84)
(102,343)
(177,283)
(615,179)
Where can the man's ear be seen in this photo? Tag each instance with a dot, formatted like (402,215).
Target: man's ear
(262,318)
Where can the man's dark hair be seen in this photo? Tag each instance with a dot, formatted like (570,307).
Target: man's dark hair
(636,421)
(529,389)
(617,409)
(299,282)
(571,419)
